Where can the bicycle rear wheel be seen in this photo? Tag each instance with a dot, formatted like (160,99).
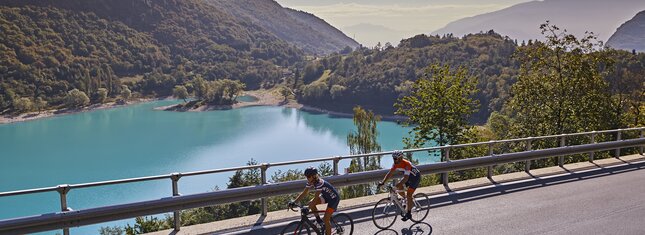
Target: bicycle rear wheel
(296,228)
(420,207)
(384,213)
(342,224)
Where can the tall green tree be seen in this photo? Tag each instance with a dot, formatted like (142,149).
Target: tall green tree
(76,99)
(363,140)
(560,88)
(439,106)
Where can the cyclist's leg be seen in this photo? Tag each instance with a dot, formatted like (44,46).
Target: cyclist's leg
(312,206)
(331,207)
(401,192)
(412,184)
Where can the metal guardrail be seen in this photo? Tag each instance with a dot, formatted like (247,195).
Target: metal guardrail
(70,218)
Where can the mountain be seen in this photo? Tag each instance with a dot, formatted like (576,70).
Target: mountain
(522,21)
(372,34)
(48,47)
(308,32)
(630,35)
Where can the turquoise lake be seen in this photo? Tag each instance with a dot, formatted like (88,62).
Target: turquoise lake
(136,141)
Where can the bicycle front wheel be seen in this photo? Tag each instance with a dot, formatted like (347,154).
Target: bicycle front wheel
(420,207)
(342,224)
(296,228)
(384,213)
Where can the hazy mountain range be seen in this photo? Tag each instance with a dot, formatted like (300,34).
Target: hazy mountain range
(630,35)
(522,21)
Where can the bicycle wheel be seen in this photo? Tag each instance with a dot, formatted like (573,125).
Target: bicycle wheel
(342,224)
(384,213)
(420,207)
(296,228)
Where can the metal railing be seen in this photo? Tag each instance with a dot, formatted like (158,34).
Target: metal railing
(71,218)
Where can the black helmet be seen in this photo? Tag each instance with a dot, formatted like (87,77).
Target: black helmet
(310,171)
(397,154)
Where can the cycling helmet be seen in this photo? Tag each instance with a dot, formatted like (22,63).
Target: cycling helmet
(397,154)
(310,171)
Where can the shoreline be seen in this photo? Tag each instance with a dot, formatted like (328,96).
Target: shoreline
(32,116)
(264,98)
(268,98)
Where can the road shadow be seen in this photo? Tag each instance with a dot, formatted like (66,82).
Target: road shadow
(455,197)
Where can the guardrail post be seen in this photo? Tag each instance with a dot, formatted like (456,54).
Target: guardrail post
(641,151)
(593,141)
(62,191)
(263,171)
(618,137)
(563,142)
(490,153)
(445,175)
(174,177)
(527,164)
(336,160)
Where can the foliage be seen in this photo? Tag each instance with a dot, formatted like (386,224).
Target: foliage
(376,78)
(76,99)
(439,106)
(180,92)
(126,94)
(116,230)
(361,141)
(23,105)
(101,95)
(560,88)
(51,47)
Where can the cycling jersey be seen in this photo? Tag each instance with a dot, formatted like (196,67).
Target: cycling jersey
(328,193)
(406,167)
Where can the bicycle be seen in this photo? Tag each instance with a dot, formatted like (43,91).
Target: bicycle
(341,224)
(388,209)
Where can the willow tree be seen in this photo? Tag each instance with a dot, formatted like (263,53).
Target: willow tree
(438,106)
(560,88)
(363,141)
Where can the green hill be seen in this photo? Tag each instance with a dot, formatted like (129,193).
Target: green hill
(50,47)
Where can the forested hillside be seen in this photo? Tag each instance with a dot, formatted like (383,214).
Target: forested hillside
(50,47)
(308,32)
(375,78)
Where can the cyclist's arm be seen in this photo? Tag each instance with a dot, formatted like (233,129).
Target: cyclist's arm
(387,176)
(304,192)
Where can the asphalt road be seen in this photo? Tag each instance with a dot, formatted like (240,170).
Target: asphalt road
(605,201)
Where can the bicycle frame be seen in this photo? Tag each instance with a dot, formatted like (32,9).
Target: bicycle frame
(394,198)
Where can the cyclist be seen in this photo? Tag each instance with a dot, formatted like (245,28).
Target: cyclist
(325,193)
(411,179)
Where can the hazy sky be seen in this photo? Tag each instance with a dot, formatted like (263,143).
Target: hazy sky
(401,18)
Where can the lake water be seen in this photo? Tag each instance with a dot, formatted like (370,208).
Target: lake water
(137,141)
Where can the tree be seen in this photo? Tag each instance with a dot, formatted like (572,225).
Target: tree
(101,95)
(364,140)
(23,105)
(40,104)
(180,92)
(126,94)
(560,88)
(439,106)
(76,99)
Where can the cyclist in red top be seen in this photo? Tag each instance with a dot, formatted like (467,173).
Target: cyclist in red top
(411,178)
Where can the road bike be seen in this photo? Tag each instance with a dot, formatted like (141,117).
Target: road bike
(341,223)
(388,209)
